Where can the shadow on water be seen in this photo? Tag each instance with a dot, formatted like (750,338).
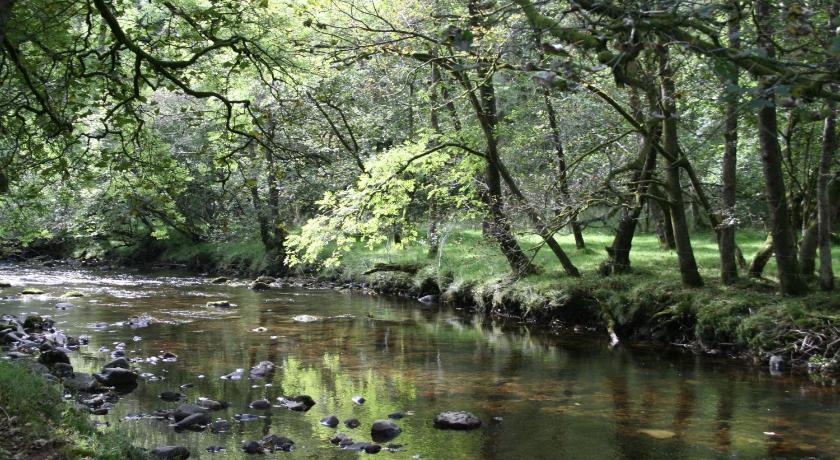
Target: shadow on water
(538,395)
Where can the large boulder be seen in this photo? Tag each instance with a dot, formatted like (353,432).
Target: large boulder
(384,430)
(456,420)
(84,383)
(52,356)
(119,362)
(171,453)
(116,377)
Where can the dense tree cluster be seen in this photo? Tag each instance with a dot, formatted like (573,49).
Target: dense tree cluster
(318,124)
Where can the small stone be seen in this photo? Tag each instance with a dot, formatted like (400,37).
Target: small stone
(396,415)
(358,400)
(31,291)
(331,421)
(220,280)
(252,447)
(352,423)
(171,396)
(220,304)
(260,404)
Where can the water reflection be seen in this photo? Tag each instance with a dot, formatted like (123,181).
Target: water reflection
(551,397)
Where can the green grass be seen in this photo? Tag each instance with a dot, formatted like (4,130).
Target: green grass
(43,414)
(247,256)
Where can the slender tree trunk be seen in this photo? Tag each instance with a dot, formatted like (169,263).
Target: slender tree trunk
(808,249)
(434,120)
(726,234)
(498,227)
(784,244)
(829,145)
(685,253)
(563,182)
(665,209)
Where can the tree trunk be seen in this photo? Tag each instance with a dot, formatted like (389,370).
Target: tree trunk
(685,253)
(823,200)
(563,182)
(784,245)
(726,233)
(434,120)
(5,12)
(761,258)
(829,145)
(618,255)
(498,227)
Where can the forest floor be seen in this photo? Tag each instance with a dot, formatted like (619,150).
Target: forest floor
(36,423)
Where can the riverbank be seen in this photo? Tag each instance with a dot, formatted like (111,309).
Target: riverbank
(747,321)
(36,423)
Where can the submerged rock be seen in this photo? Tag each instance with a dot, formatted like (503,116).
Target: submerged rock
(265,279)
(427,299)
(171,453)
(274,443)
(220,280)
(301,403)
(235,375)
(31,291)
(352,423)
(384,430)
(219,426)
(220,304)
(261,369)
(260,404)
(358,400)
(195,421)
(72,294)
(252,447)
(64,306)
(341,439)
(171,396)
(456,420)
(186,410)
(210,404)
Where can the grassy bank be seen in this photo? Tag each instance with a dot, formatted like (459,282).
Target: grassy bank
(36,423)
(649,303)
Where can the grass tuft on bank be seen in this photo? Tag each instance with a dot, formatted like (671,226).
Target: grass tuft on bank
(37,423)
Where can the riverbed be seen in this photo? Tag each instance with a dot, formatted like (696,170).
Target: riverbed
(539,393)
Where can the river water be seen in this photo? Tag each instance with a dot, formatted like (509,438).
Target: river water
(538,394)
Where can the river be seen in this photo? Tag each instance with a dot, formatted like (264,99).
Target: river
(539,394)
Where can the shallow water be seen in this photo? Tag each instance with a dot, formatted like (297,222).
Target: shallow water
(566,396)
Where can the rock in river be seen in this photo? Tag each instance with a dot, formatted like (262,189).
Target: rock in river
(331,421)
(220,280)
(352,423)
(195,421)
(186,410)
(116,376)
(119,362)
(260,404)
(31,291)
(261,369)
(358,400)
(274,443)
(252,447)
(171,396)
(171,453)
(210,404)
(259,286)
(301,403)
(82,382)
(52,356)
(384,430)
(220,304)
(456,420)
